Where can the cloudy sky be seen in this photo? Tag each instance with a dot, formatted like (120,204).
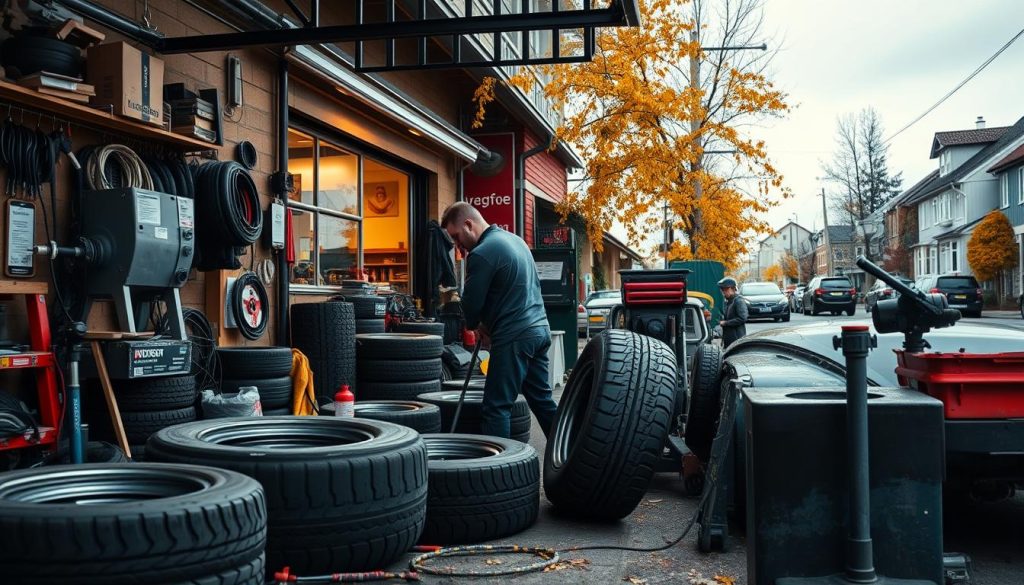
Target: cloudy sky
(899,56)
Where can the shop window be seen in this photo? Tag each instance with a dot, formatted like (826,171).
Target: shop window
(386,225)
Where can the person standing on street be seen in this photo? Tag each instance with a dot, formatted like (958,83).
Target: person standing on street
(734,316)
(502,297)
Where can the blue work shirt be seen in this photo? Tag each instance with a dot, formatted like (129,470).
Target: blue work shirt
(502,288)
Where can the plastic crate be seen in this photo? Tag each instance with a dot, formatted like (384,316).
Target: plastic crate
(970,386)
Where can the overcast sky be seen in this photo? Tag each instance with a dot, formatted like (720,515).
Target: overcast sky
(899,56)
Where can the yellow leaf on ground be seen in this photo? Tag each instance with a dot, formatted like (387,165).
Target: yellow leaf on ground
(723,580)
(493,561)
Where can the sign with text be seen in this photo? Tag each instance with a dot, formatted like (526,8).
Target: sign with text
(495,196)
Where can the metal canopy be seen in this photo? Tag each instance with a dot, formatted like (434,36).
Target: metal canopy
(507,24)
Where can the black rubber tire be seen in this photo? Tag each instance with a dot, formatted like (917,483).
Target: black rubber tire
(785,318)
(470,417)
(138,452)
(419,416)
(138,426)
(274,392)
(421,327)
(475,383)
(103,452)
(368,306)
(369,326)
(240,363)
(395,390)
(25,55)
(326,334)
(376,370)
(342,494)
(252,573)
(153,394)
(105,533)
(851,311)
(705,395)
(287,411)
(481,488)
(398,346)
(611,425)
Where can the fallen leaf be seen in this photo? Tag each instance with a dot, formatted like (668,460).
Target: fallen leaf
(723,580)
(635,580)
(493,561)
(579,564)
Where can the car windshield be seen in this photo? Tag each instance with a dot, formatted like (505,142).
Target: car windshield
(835,283)
(957,282)
(760,288)
(603,294)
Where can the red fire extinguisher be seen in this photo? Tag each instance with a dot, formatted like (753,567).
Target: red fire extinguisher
(345,402)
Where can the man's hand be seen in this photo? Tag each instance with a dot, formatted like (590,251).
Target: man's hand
(721,323)
(484,336)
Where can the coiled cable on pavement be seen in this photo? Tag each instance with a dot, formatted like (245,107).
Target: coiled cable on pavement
(548,557)
(116,166)
(250,306)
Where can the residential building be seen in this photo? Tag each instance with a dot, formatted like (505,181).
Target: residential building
(791,239)
(900,236)
(952,203)
(1009,174)
(840,240)
(615,255)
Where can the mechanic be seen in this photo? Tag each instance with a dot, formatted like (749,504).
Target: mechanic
(502,297)
(734,316)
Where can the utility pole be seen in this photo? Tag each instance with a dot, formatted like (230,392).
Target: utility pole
(828,240)
(668,234)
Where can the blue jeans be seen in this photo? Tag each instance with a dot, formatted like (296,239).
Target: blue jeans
(518,366)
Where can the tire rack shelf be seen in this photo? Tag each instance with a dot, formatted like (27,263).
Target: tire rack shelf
(46,377)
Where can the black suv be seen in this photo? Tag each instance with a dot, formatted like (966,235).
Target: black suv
(830,293)
(881,291)
(962,292)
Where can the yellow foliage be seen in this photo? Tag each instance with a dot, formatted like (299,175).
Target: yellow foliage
(773,273)
(789,267)
(992,248)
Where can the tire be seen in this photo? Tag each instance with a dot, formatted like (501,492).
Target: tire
(394,390)
(398,346)
(138,426)
(26,55)
(103,452)
(421,327)
(240,363)
(814,309)
(785,318)
(611,425)
(705,395)
(481,488)
(419,416)
(368,306)
(181,523)
(342,494)
(369,326)
(470,418)
(278,412)
(326,334)
(154,394)
(376,370)
(851,311)
(252,573)
(275,393)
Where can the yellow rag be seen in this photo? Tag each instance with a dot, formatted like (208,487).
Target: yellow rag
(303,395)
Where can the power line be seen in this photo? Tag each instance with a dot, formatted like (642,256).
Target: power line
(959,85)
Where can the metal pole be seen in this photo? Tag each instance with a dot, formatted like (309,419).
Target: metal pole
(856,342)
(282,332)
(75,404)
(698,163)
(665,231)
(828,240)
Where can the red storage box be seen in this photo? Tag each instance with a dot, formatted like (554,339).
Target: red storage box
(970,386)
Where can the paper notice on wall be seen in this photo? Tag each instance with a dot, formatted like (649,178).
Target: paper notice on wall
(549,270)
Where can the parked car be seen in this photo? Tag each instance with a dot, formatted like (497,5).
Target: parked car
(962,292)
(765,301)
(596,309)
(796,299)
(881,291)
(834,294)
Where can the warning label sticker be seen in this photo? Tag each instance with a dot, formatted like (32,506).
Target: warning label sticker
(147,209)
(185,213)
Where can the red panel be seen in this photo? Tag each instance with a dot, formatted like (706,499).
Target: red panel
(654,293)
(970,386)
(529,218)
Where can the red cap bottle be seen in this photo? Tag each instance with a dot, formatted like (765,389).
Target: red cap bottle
(345,402)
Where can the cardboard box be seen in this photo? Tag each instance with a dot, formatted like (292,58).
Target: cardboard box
(130,81)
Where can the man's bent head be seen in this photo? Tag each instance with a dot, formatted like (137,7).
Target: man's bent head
(464,224)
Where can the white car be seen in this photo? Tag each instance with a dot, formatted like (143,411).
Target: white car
(595,311)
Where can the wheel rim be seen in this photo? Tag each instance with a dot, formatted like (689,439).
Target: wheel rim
(449,448)
(103,486)
(567,427)
(290,433)
(384,407)
(471,396)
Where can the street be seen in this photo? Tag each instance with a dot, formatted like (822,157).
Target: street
(1008,318)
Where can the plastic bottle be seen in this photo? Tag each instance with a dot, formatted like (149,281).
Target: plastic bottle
(345,402)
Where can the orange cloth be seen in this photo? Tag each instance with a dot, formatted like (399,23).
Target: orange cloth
(303,395)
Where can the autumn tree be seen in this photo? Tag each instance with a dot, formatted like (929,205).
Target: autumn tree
(646,111)
(808,266)
(789,266)
(773,273)
(992,249)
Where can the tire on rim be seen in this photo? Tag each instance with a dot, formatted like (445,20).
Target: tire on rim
(342,494)
(481,488)
(419,416)
(611,425)
(398,346)
(140,523)
(471,416)
(255,362)
(705,399)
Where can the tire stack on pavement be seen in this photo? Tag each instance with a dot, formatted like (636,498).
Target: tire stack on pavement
(146,405)
(326,334)
(419,416)
(427,327)
(471,418)
(397,366)
(369,312)
(267,368)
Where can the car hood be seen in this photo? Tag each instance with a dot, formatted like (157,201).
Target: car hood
(765,298)
(814,342)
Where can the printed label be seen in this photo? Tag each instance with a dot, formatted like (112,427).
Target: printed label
(185,214)
(160,233)
(147,209)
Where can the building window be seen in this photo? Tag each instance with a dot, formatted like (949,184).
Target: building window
(954,257)
(933,265)
(935,210)
(1020,185)
(1004,190)
(945,162)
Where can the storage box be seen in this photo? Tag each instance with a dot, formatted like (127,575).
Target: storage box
(970,386)
(127,79)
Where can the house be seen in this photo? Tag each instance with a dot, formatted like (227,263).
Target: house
(791,239)
(615,255)
(840,239)
(1009,174)
(952,203)
(900,229)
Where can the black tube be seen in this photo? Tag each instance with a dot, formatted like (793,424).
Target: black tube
(521,184)
(282,337)
(115,21)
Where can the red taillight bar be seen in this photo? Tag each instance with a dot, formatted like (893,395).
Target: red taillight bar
(654,293)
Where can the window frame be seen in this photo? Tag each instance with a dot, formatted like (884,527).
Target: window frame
(1020,186)
(954,255)
(945,162)
(1004,190)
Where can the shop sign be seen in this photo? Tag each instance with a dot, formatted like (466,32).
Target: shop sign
(495,196)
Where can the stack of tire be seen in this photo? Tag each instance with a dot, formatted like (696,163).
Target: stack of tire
(267,368)
(146,406)
(369,312)
(397,366)
(471,416)
(427,327)
(326,334)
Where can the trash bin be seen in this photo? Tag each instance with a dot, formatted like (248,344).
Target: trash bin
(556,359)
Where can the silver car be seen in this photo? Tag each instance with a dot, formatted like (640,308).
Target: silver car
(594,317)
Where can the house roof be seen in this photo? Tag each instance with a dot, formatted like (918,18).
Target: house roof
(1011,159)
(617,243)
(905,196)
(940,183)
(838,234)
(965,137)
(959,231)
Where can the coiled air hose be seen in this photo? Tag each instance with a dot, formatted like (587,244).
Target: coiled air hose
(250,305)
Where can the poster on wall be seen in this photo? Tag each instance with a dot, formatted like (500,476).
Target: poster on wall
(495,196)
(381,199)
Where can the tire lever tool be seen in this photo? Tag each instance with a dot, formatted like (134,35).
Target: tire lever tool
(465,385)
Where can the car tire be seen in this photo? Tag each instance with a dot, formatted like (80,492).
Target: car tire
(785,318)
(138,523)
(138,426)
(429,328)
(481,488)
(367,306)
(275,393)
(389,370)
(471,415)
(395,390)
(611,425)
(419,416)
(155,394)
(398,346)
(342,494)
(325,333)
(851,311)
(255,362)
(704,400)
(369,326)
(103,452)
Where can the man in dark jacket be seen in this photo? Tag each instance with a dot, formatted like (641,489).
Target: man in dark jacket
(734,315)
(502,296)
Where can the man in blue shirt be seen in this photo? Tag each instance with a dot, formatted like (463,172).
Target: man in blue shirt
(502,297)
